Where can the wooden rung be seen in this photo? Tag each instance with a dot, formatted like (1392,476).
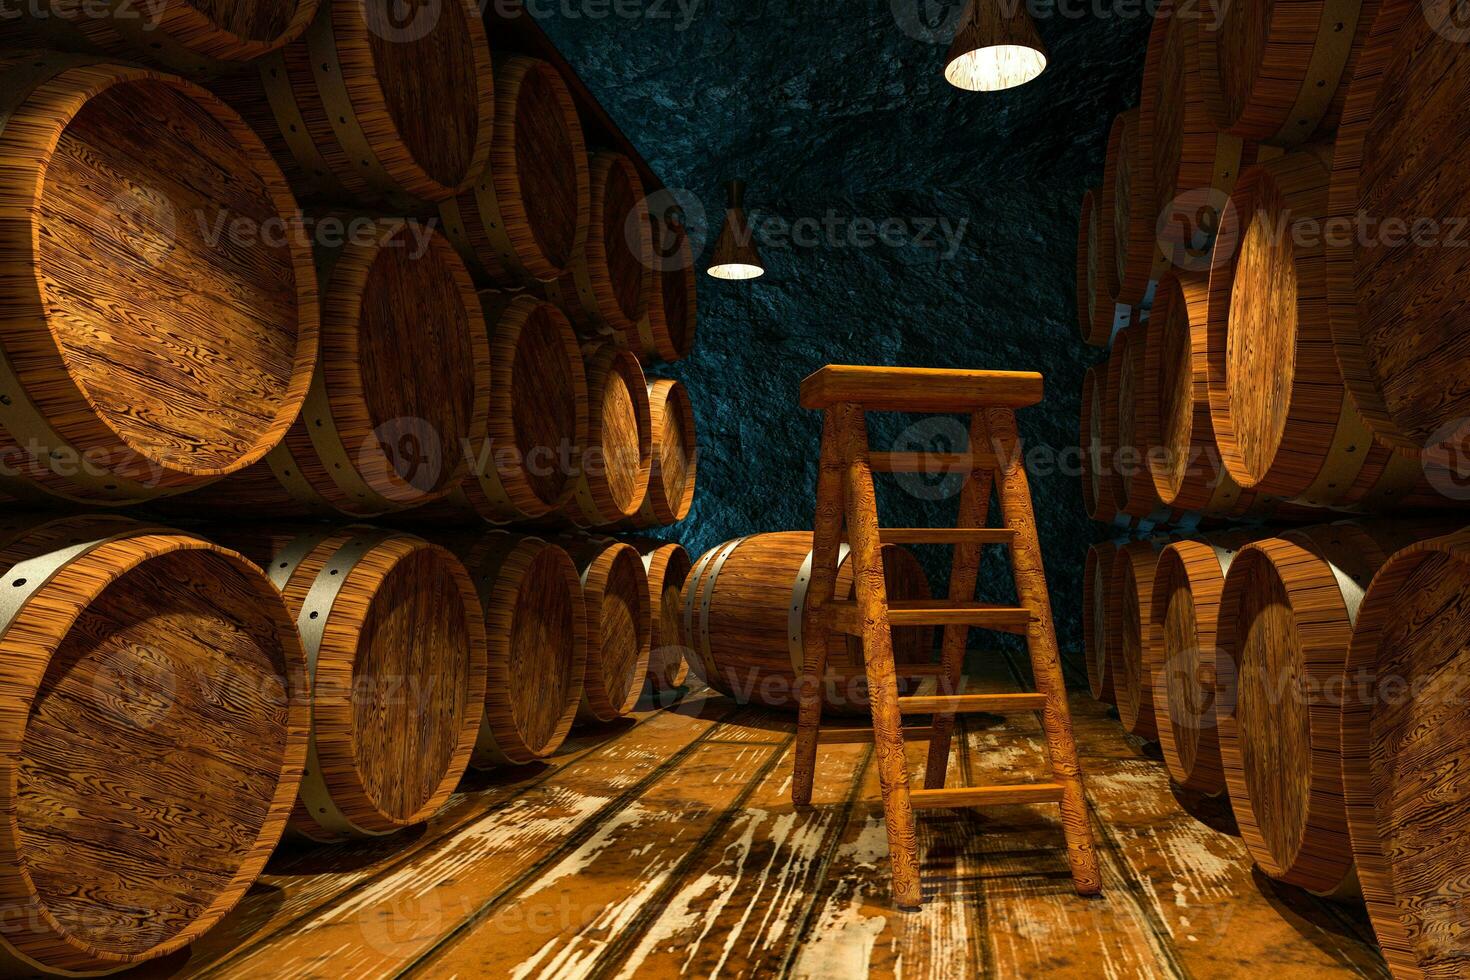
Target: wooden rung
(843,615)
(947,535)
(962,796)
(859,736)
(998,704)
(924,462)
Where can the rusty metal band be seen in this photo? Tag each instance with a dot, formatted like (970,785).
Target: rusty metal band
(1345,458)
(492,226)
(493,488)
(1401,474)
(452,218)
(706,597)
(316,609)
(796,612)
(331,87)
(275,79)
(1330,54)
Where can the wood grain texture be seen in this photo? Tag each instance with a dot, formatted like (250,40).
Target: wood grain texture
(391,408)
(369,109)
(668,567)
(1404,754)
(528,214)
(1094,308)
(618,459)
(674,458)
(1128,203)
(124,380)
(1130,639)
(619,626)
(1398,325)
(906,389)
(158,717)
(191,37)
(671,304)
(1096,605)
(1278,72)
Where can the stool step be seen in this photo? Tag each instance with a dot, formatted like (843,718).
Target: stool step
(843,615)
(928,463)
(947,535)
(859,736)
(963,796)
(998,704)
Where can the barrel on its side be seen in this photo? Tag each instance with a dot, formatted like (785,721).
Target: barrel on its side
(392,626)
(99,232)
(619,626)
(618,457)
(667,329)
(745,610)
(369,110)
(1094,309)
(402,387)
(668,567)
(526,216)
(1131,639)
(152,767)
(1128,213)
(1096,605)
(675,457)
(1404,748)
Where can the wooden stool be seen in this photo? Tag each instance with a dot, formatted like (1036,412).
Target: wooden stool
(845,501)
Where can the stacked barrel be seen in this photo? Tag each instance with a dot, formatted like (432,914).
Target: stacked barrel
(1275,260)
(277,269)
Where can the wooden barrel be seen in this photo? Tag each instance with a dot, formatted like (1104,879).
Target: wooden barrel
(1285,424)
(157,725)
(1128,213)
(193,37)
(1404,744)
(1097,496)
(366,110)
(526,217)
(396,646)
(619,626)
(604,292)
(1286,616)
(1400,320)
(1095,311)
(536,631)
(675,457)
(122,379)
(526,468)
(1185,609)
(1277,72)
(617,459)
(1194,164)
(401,389)
(1096,580)
(1131,420)
(745,608)
(1130,639)
(668,566)
(667,330)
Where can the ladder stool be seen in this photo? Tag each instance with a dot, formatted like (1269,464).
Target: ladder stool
(847,510)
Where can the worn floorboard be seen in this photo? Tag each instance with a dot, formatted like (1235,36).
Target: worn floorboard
(667,846)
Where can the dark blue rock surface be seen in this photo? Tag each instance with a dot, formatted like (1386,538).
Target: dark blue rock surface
(835,111)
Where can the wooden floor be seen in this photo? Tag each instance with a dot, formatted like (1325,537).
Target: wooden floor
(667,846)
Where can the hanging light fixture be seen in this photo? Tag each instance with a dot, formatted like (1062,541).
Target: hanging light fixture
(996,48)
(735,253)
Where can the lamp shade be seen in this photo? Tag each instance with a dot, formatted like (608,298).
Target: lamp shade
(735,252)
(996,48)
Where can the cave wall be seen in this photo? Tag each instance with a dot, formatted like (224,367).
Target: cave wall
(839,112)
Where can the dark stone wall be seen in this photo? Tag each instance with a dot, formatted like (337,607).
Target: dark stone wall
(836,111)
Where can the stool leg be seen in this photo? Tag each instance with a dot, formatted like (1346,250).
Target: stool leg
(963,576)
(826,540)
(872,605)
(1041,639)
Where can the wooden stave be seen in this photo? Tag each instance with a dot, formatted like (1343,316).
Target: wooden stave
(1400,913)
(179,38)
(1089,442)
(118,547)
(488,220)
(1293,100)
(587,292)
(1096,576)
(1433,435)
(781,578)
(1192,572)
(332,130)
(313,472)
(659,508)
(502,564)
(668,566)
(612,570)
(1130,625)
(667,330)
(1095,327)
(1128,194)
(59,88)
(1304,469)
(595,502)
(1323,597)
(316,567)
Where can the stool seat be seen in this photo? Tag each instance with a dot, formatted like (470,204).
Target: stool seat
(906,389)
